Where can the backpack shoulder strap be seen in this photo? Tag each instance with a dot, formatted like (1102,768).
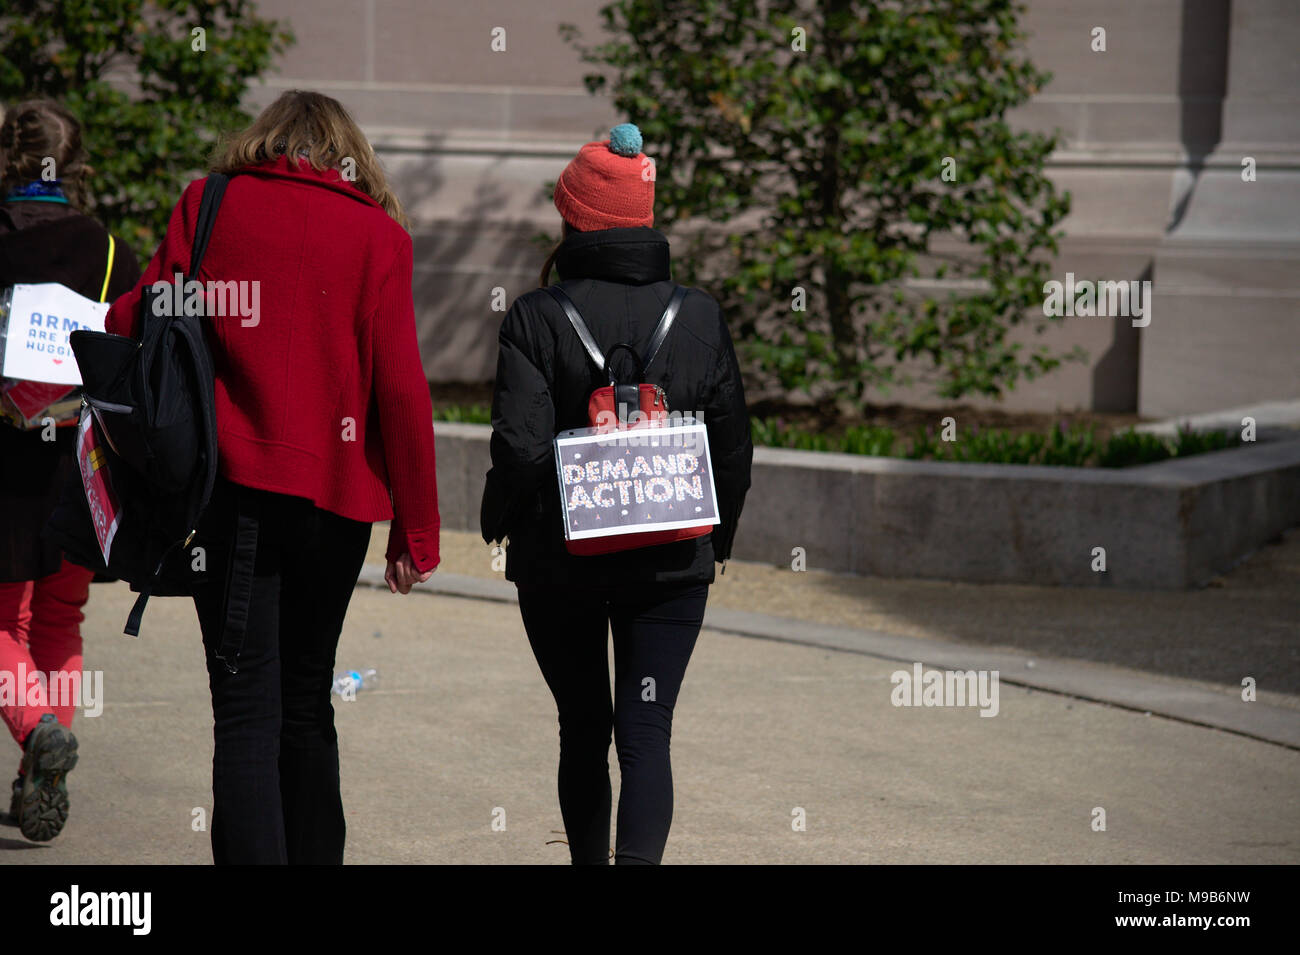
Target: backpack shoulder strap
(579,326)
(213,190)
(201,366)
(665,324)
(108,271)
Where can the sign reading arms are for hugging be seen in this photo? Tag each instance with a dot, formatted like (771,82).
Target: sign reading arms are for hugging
(41,319)
(635,480)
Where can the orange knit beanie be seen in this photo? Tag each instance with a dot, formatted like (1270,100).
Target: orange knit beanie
(609,184)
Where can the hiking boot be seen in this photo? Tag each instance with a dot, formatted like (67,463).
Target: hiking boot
(48,757)
(11,819)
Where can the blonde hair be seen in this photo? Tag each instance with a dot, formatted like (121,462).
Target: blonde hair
(314,127)
(35,131)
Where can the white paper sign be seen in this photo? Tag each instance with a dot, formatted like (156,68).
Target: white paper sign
(41,317)
(635,480)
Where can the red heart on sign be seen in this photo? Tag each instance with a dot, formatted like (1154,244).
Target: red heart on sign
(57,361)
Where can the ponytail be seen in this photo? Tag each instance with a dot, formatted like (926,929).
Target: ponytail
(565,231)
(35,132)
(545,278)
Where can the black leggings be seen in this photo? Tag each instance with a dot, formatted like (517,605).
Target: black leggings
(275,767)
(654,633)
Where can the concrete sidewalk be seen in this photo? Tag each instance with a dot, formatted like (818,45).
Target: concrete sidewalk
(463,726)
(1245,624)
(1188,701)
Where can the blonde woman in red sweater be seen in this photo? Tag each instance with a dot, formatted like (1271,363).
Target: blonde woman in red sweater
(324,426)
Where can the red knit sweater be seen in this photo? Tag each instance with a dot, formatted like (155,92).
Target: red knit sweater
(324,397)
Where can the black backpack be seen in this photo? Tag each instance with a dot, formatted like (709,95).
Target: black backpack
(155,414)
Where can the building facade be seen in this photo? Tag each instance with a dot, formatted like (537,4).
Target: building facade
(1180,146)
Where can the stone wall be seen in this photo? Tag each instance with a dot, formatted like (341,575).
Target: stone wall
(1154,129)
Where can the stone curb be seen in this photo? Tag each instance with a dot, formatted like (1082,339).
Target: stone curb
(1170,525)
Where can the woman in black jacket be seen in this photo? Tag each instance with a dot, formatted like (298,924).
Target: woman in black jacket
(615,269)
(45,237)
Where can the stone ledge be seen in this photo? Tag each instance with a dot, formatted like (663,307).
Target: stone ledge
(1170,525)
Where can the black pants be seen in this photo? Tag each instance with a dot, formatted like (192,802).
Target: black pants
(275,769)
(654,628)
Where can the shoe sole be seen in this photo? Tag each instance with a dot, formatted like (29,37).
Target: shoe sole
(44,809)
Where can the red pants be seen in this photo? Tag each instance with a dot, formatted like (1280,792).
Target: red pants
(40,630)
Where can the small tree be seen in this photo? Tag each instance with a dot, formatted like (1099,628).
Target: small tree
(856,153)
(154,82)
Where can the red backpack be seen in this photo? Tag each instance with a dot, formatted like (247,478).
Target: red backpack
(608,410)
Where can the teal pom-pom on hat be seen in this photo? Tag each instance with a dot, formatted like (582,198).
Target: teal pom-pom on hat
(625,140)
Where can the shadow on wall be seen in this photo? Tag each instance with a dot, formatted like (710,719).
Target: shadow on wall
(472,259)
(1202,84)
(1115,375)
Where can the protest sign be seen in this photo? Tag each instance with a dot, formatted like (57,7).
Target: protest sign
(40,319)
(98,484)
(635,480)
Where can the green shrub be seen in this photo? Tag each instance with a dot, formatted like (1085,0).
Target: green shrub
(145,140)
(823,145)
(874,440)
(1073,446)
(1193,442)
(464,414)
(1128,448)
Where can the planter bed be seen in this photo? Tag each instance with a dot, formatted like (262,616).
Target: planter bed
(1169,525)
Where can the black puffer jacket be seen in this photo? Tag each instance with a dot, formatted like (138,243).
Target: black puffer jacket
(619,280)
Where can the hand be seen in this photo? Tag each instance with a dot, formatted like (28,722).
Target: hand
(401,575)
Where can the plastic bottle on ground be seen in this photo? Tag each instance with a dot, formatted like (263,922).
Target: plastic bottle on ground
(350,682)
